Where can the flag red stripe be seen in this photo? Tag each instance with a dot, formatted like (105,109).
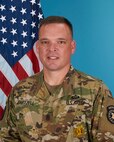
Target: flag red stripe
(1,112)
(34,60)
(19,71)
(5,85)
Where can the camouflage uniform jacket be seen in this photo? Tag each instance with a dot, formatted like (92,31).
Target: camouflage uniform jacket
(80,110)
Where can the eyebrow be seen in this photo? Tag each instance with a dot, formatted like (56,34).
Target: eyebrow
(62,39)
(43,39)
(49,39)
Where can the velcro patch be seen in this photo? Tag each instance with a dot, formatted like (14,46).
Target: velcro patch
(110,113)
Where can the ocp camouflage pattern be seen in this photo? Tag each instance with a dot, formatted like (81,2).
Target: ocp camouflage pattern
(76,111)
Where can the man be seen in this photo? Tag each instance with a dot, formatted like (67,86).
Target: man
(59,104)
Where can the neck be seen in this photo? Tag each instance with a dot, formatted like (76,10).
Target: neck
(55,77)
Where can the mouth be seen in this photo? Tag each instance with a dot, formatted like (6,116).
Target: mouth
(53,57)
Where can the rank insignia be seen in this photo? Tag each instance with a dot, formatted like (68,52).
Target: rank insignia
(110,113)
(79,131)
(73,100)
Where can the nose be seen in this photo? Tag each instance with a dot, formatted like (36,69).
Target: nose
(53,46)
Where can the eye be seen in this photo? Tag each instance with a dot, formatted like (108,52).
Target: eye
(61,42)
(44,42)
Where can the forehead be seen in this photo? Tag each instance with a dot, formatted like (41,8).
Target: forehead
(55,29)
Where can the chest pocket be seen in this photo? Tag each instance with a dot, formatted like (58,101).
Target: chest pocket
(64,116)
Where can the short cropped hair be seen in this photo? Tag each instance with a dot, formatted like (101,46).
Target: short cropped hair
(56,19)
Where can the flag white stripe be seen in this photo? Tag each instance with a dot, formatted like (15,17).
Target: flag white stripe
(27,65)
(7,71)
(3,99)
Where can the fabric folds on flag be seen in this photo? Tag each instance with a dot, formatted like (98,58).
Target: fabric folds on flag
(19,21)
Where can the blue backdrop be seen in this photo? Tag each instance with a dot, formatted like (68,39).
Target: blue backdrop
(93,22)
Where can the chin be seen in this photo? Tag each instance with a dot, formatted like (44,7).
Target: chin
(53,68)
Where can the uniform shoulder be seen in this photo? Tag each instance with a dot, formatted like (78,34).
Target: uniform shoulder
(31,79)
(87,78)
(29,82)
(84,75)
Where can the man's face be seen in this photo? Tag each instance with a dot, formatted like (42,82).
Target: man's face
(55,46)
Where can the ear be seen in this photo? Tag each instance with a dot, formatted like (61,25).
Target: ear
(73,46)
(37,46)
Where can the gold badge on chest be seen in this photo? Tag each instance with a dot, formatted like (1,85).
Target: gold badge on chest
(79,131)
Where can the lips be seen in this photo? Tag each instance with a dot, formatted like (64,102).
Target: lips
(53,57)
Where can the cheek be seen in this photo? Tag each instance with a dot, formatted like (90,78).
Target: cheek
(68,52)
(41,51)
(66,55)
(42,54)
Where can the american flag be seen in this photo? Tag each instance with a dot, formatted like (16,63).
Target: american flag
(19,20)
